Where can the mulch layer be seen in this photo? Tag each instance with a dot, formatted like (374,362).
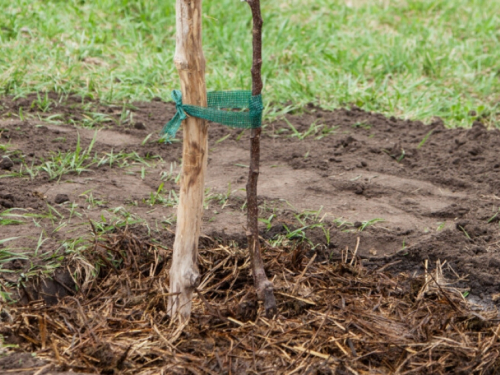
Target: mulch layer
(334,318)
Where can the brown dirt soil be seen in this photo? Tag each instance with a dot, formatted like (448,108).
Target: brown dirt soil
(324,178)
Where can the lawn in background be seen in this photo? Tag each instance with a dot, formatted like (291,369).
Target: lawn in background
(415,59)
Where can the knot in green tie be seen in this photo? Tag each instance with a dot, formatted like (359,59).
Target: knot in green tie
(177,96)
(180,115)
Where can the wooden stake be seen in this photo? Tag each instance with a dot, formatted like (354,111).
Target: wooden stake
(263,286)
(190,63)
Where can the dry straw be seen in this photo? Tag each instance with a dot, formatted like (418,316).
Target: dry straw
(334,318)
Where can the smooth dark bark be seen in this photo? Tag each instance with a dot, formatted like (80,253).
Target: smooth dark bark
(263,286)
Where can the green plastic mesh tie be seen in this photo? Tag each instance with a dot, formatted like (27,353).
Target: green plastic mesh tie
(219,106)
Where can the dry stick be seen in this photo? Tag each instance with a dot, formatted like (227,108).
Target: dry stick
(355,252)
(190,63)
(299,280)
(263,286)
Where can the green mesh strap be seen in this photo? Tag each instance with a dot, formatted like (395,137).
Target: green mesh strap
(216,102)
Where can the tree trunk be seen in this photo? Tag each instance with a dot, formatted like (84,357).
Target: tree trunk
(190,63)
(263,286)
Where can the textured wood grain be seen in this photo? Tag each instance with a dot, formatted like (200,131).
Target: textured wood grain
(190,63)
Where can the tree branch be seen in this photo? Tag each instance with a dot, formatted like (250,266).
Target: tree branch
(263,286)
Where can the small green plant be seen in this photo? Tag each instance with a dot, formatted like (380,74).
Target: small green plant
(172,174)
(50,214)
(93,119)
(362,124)
(221,198)
(77,161)
(30,171)
(52,119)
(171,220)
(422,142)
(465,232)
(159,197)
(326,231)
(23,171)
(441,226)
(342,223)
(326,131)
(156,197)
(494,216)
(222,139)
(297,234)
(145,140)
(39,244)
(5,220)
(121,219)
(240,135)
(402,156)
(278,241)
(268,221)
(366,224)
(121,159)
(5,147)
(21,114)
(314,130)
(91,200)
(41,104)
(110,159)
(309,216)
(396,157)
(73,246)
(4,252)
(126,117)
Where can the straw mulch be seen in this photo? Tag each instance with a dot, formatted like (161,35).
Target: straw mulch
(334,318)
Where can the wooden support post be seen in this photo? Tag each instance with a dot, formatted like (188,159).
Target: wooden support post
(263,286)
(190,63)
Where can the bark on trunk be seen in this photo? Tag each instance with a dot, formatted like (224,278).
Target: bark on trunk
(263,286)
(190,63)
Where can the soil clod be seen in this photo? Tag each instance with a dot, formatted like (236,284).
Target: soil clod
(61,198)
(6,163)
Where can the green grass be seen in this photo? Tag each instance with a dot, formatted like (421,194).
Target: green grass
(414,58)
(79,161)
(69,162)
(38,264)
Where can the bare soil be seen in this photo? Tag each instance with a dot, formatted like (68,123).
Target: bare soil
(434,191)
